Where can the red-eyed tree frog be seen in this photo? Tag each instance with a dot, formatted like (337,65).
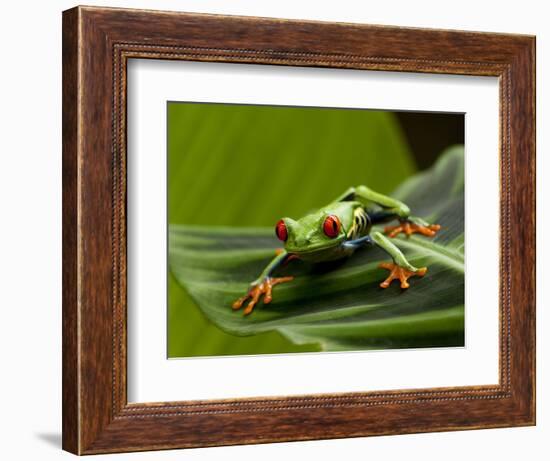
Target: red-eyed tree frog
(334,232)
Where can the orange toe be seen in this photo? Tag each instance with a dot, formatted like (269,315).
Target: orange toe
(256,291)
(400,273)
(408,228)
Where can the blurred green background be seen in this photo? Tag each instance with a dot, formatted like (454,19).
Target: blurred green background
(245,165)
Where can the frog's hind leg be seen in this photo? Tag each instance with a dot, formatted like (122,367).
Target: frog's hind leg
(391,209)
(400,269)
(412,226)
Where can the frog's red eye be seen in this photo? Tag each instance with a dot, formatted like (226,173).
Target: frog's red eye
(280,231)
(331,226)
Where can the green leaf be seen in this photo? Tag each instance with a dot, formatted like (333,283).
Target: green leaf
(340,306)
(248,165)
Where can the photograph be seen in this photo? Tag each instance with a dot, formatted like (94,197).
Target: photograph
(313,229)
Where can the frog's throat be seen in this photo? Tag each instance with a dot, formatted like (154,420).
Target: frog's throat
(313,249)
(324,254)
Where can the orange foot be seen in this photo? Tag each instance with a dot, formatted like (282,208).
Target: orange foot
(409,228)
(256,291)
(400,273)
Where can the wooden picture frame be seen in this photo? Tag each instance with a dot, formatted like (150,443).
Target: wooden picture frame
(97,43)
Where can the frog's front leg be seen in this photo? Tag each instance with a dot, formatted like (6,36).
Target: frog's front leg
(264,284)
(400,269)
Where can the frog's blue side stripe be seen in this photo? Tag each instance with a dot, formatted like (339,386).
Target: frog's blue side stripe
(366,240)
(382,216)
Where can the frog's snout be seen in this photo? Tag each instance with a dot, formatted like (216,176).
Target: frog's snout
(303,241)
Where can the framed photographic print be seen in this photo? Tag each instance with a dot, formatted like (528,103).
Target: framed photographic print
(284,230)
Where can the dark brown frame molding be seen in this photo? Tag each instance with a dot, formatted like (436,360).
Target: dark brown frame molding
(97,43)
